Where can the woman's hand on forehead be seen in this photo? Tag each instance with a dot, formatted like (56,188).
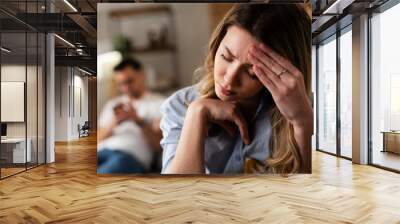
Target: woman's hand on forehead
(285,83)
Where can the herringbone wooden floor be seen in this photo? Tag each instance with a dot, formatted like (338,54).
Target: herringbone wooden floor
(69,191)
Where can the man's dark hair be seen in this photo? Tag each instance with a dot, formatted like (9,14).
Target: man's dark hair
(128,62)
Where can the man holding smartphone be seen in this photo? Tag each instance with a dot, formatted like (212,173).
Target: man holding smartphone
(129,133)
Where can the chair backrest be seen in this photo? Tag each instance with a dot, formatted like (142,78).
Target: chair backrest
(86,125)
(252,166)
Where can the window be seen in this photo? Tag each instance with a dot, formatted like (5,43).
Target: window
(346,93)
(22,77)
(326,99)
(385,89)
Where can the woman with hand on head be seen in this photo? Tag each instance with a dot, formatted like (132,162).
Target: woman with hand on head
(252,101)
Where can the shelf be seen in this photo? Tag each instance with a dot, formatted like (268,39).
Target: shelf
(154,50)
(139,11)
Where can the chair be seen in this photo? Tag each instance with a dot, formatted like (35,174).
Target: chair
(252,166)
(84,130)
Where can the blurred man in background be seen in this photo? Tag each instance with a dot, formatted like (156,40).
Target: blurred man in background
(129,134)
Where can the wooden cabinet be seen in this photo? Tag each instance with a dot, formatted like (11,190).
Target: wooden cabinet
(391,142)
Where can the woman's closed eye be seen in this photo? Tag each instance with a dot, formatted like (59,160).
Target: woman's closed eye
(226,58)
(251,73)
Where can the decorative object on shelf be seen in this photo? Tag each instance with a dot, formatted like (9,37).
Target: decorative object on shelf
(152,37)
(123,45)
(164,35)
(158,37)
(153,43)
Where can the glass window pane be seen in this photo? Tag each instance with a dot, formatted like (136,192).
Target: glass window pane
(14,153)
(313,89)
(31,85)
(385,84)
(327,96)
(41,98)
(22,85)
(31,97)
(346,94)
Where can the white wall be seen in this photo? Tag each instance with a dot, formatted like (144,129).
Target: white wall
(67,80)
(193,33)
(17,73)
(61,103)
(105,65)
(80,83)
(33,126)
(107,28)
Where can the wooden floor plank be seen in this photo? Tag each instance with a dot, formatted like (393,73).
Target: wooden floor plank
(70,191)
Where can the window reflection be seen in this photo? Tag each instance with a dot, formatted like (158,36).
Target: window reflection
(327,96)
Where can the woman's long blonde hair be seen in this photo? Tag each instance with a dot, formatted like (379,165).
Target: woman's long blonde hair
(287,30)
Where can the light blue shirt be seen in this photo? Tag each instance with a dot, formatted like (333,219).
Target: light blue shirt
(223,153)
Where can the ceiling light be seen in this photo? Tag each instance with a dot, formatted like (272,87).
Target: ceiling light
(5,50)
(338,6)
(70,5)
(84,71)
(64,40)
(329,9)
